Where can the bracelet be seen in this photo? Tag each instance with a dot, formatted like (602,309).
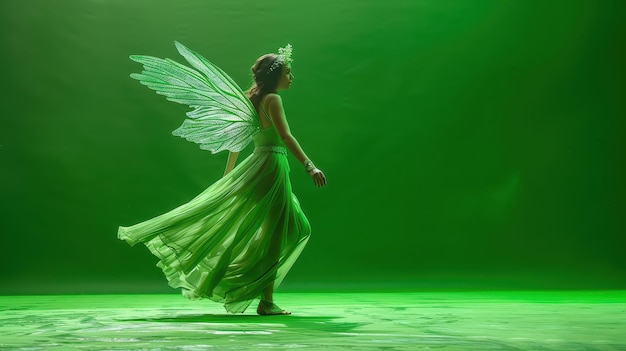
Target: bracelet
(308,166)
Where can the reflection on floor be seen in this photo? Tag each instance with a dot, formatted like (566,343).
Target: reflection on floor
(564,320)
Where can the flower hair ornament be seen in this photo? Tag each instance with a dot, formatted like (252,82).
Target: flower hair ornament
(284,57)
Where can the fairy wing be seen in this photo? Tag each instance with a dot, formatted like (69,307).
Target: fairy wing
(222,117)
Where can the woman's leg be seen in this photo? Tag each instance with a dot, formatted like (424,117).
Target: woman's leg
(268,293)
(275,223)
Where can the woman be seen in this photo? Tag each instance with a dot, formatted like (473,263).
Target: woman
(235,241)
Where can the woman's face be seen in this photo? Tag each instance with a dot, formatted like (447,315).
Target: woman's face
(285,79)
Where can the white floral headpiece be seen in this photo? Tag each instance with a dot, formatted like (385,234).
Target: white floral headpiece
(284,57)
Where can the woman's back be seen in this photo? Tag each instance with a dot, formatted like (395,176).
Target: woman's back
(268,134)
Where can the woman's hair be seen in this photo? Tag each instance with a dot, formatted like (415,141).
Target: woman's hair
(265,79)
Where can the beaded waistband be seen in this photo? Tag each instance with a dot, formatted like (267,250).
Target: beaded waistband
(271,148)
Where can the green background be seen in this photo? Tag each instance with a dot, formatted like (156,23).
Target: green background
(467,144)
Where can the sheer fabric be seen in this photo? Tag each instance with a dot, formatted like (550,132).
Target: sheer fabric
(238,236)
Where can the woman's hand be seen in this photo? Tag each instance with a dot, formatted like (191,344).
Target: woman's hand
(318,177)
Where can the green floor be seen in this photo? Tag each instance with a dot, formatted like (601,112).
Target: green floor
(564,320)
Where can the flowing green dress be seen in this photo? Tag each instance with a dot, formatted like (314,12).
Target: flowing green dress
(238,236)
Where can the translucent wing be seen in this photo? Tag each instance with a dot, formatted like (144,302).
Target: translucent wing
(222,117)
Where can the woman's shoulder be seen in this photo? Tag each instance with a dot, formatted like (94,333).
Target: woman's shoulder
(273,98)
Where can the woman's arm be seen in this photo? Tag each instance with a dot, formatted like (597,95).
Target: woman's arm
(230,164)
(277,114)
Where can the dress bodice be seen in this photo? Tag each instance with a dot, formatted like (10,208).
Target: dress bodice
(268,136)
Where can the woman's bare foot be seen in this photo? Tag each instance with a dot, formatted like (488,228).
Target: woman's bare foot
(267,308)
